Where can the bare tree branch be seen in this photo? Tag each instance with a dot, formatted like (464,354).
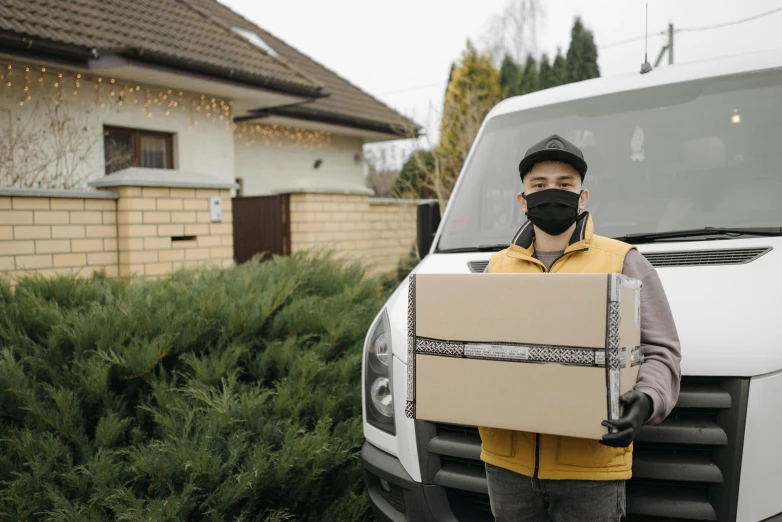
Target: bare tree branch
(514,31)
(46,144)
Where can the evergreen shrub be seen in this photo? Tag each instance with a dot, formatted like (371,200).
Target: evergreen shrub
(215,395)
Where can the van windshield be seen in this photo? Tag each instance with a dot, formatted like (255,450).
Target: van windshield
(706,153)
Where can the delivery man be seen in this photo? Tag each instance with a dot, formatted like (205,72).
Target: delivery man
(540,477)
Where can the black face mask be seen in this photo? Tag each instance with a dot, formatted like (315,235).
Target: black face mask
(552,210)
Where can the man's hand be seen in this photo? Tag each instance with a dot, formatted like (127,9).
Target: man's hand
(638,409)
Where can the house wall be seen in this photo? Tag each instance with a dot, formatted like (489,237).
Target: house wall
(266,168)
(377,232)
(207,147)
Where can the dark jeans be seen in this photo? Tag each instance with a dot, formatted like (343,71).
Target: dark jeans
(516,498)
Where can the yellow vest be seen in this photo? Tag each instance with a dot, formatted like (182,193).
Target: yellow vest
(550,456)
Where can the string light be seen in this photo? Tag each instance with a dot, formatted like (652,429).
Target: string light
(117,95)
(281,136)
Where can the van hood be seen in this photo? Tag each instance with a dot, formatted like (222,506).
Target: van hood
(728,316)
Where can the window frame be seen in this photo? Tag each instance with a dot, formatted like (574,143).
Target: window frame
(135,138)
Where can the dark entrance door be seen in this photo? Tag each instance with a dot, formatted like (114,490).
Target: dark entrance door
(260,225)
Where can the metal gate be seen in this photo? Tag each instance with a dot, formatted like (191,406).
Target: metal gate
(261,225)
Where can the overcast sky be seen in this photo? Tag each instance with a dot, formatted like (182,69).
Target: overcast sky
(401,51)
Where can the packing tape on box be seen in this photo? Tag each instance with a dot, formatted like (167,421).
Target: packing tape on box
(613,361)
(523,353)
(617,281)
(411,342)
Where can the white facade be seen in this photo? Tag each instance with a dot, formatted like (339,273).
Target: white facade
(33,131)
(266,169)
(29,145)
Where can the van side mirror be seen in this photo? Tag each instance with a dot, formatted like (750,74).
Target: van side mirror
(428,221)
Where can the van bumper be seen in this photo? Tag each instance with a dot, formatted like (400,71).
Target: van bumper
(400,498)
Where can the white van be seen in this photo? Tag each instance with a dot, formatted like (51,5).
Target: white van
(685,162)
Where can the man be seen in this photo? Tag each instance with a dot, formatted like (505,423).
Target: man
(540,477)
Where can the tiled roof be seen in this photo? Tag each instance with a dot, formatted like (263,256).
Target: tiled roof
(198,34)
(162,28)
(345,101)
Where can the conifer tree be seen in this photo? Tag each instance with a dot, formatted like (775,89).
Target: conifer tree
(414,177)
(582,54)
(473,90)
(528,80)
(559,69)
(509,77)
(545,74)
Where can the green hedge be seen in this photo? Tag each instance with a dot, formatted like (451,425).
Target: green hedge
(212,395)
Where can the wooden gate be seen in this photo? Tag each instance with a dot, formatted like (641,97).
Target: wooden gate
(261,225)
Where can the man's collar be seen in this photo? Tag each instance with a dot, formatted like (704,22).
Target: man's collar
(525,237)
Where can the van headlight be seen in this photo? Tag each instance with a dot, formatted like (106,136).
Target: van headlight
(378,365)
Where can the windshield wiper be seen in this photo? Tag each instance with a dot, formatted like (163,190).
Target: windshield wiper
(652,237)
(479,248)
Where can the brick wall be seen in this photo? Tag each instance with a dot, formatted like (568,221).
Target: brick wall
(378,232)
(163,229)
(126,230)
(58,235)
(153,231)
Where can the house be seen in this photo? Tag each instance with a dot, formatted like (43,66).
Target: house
(173,109)
(92,87)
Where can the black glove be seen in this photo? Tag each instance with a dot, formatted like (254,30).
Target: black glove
(638,409)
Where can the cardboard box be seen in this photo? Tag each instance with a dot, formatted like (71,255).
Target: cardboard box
(522,351)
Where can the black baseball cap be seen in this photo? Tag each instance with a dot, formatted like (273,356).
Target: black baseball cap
(553,148)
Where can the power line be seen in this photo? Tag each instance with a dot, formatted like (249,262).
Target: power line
(413,88)
(629,40)
(693,29)
(726,24)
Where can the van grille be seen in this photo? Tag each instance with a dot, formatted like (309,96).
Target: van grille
(738,256)
(705,257)
(476,267)
(686,468)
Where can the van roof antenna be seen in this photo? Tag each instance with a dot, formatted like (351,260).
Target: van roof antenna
(646,66)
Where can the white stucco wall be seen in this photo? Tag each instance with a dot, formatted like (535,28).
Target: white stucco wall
(265,169)
(206,148)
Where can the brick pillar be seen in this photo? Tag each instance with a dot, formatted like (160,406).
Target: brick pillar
(164,221)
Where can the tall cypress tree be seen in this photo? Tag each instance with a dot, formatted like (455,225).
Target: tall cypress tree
(528,81)
(559,69)
(473,90)
(509,77)
(582,54)
(546,74)
(450,76)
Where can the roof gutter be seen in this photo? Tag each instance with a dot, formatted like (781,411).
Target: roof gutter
(299,112)
(24,46)
(224,73)
(256,114)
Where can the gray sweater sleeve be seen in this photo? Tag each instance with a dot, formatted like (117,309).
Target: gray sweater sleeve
(660,373)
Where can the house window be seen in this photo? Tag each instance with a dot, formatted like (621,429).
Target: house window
(125,148)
